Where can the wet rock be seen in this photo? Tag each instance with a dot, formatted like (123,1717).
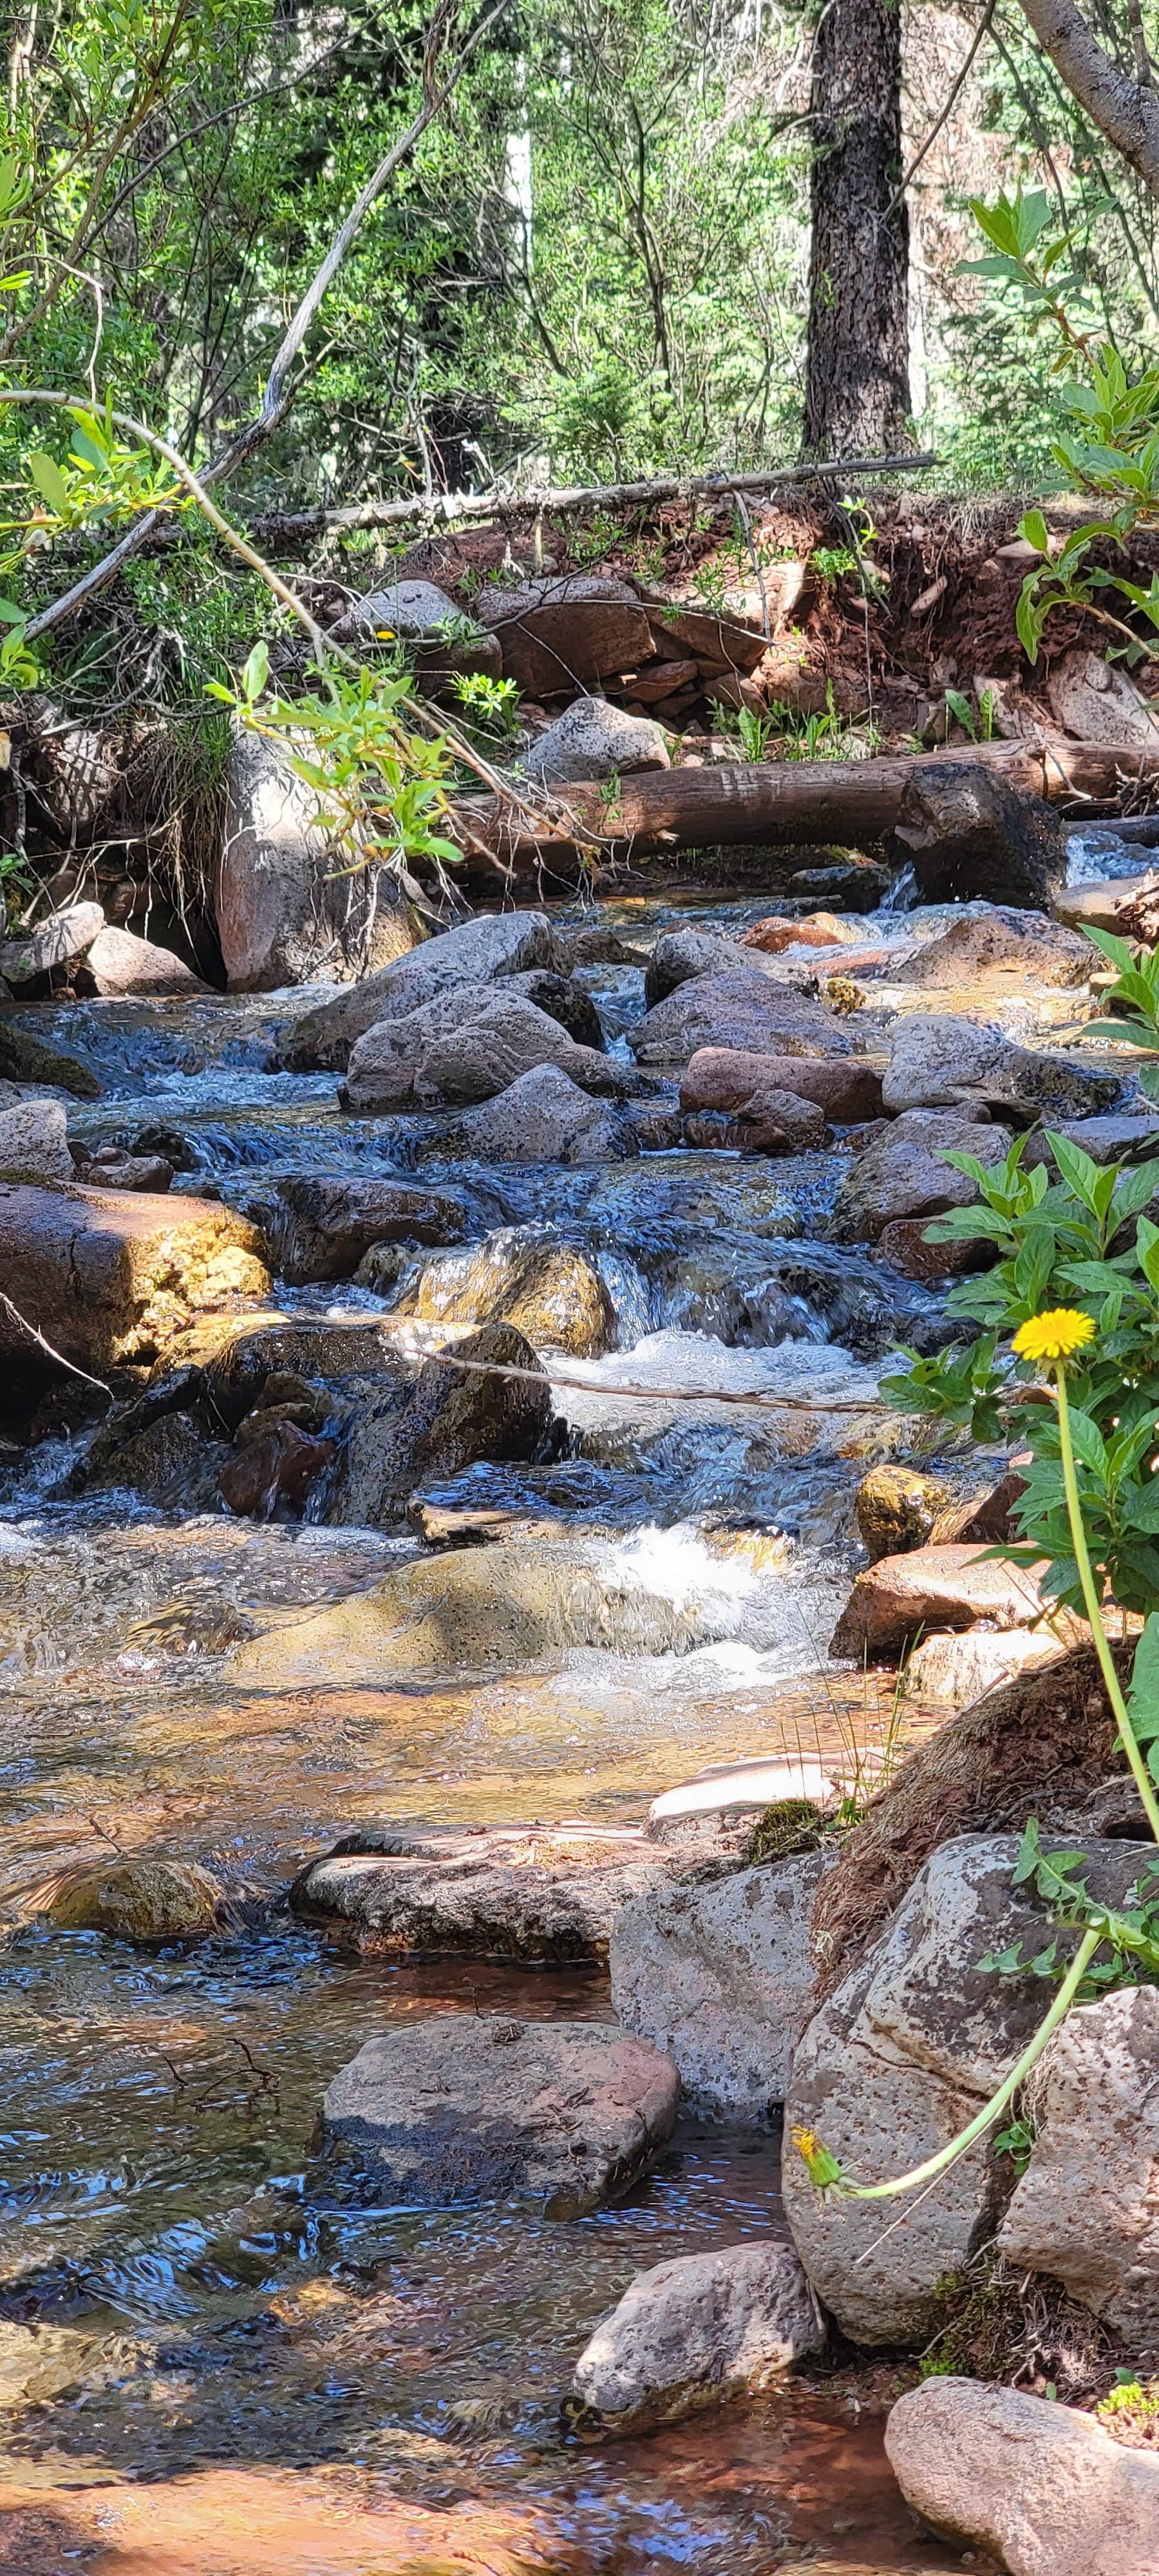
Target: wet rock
(770,1122)
(544,1118)
(594,740)
(895,1509)
(242,1357)
(902,1174)
(955,1671)
(721,1810)
(440,1421)
(471,2107)
(846,1089)
(861,883)
(723,1978)
(903,1244)
(274,1471)
(500,1892)
(444,641)
(1041,2488)
(25,1058)
(550,1291)
(475,1609)
(695,2330)
(110,1169)
(477,952)
(681,955)
(169,1462)
(898,2059)
(564,1001)
(968,833)
(937,1061)
(1086,2210)
(283,915)
(1099,906)
(487,1502)
(164,1144)
(1001,945)
(142,1898)
(34,1140)
(738,1010)
(58,941)
(563,631)
(595,945)
(120,963)
(109,1277)
(1127,1138)
(467,1046)
(320,1228)
(811,930)
(932,1588)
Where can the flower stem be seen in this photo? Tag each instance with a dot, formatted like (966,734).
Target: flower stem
(1090,1593)
(984,2119)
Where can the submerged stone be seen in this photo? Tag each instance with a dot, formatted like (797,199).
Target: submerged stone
(142,1899)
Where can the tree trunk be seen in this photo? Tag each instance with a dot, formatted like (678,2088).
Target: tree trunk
(857,396)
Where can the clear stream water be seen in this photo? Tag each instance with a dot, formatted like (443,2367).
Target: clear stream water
(199,2302)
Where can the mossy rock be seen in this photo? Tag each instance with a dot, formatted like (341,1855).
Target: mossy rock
(142,1899)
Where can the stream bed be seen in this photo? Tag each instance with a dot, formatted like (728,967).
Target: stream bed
(291,2381)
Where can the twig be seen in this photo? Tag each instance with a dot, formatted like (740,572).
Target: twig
(956,87)
(35,1335)
(668,1394)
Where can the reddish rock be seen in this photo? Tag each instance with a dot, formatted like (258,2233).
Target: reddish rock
(663,681)
(729,1077)
(932,1588)
(813,930)
(772,1122)
(120,963)
(903,1244)
(110,1276)
(278,1467)
(565,630)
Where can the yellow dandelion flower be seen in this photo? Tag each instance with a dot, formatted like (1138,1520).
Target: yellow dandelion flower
(1055,1336)
(824,2169)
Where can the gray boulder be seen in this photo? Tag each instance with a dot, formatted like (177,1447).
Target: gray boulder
(693,2331)
(898,2059)
(319,1228)
(1042,2489)
(34,1139)
(1087,2208)
(544,1118)
(56,942)
(465,1046)
(1128,1137)
(738,1009)
(937,1061)
(563,1000)
(421,616)
(477,952)
(1002,943)
(283,915)
(901,1173)
(120,963)
(471,2107)
(680,955)
(594,740)
(723,1979)
(500,1892)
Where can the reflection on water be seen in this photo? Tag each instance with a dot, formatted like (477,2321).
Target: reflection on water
(181,2296)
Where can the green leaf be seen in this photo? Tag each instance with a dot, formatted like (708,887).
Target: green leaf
(1034,529)
(1088,1442)
(256,671)
(1143,1696)
(1078,1171)
(49,481)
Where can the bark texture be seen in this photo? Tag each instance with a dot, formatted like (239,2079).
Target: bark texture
(1126,110)
(857,383)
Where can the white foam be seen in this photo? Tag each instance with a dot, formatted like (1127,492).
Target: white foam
(700,1362)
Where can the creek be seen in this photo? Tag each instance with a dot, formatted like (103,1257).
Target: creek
(206,2312)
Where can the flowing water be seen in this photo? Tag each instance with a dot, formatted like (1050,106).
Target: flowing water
(183,2305)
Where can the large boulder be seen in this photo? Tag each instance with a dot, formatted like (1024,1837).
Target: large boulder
(738,1009)
(475,1609)
(1042,2489)
(242,1357)
(55,943)
(477,952)
(937,1061)
(550,1291)
(563,1000)
(899,2059)
(846,1088)
(466,1046)
(505,1892)
(594,740)
(967,832)
(120,964)
(723,1978)
(1001,946)
(562,631)
(680,955)
(470,2106)
(901,1173)
(320,1229)
(285,914)
(141,1898)
(771,1122)
(108,1278)
(545,1118)
(34,1141)
(455,1410)
(929,1588)
(695,2330)
(1086,2210)
(440,640)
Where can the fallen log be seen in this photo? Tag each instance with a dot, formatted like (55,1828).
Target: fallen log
(771,804)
